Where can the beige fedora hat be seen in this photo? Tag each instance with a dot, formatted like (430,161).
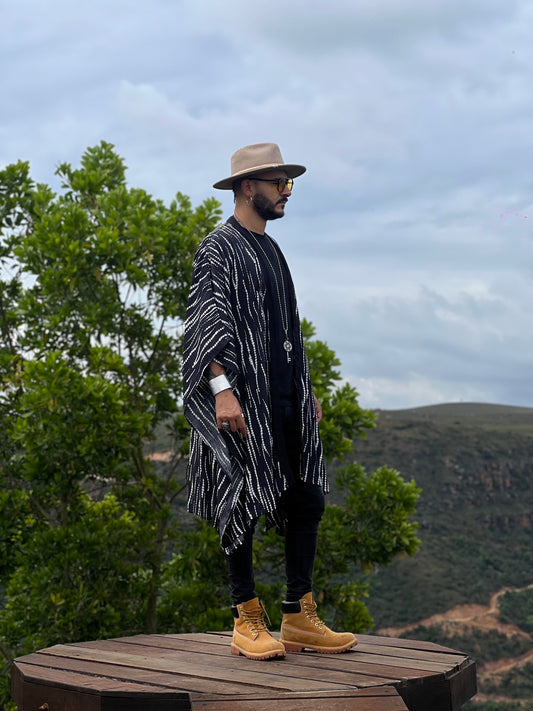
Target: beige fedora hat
(254,159)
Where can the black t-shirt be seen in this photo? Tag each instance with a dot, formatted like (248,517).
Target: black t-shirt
(279,310)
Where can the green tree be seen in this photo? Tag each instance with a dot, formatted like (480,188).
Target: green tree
(93,291)
(343,417)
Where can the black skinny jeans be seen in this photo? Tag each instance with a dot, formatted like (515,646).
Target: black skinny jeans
(303,505)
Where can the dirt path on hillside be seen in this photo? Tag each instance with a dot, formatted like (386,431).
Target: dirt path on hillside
(484,617)
(481,617)
(160,456)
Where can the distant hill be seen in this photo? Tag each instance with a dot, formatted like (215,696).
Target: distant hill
(479,413)
(474,463)
(483,410)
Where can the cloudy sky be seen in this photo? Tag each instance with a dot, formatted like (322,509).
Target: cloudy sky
(409,237)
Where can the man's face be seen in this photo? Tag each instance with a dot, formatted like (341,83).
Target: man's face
(267,201)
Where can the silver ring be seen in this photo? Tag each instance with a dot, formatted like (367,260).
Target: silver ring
(242,414)
(226,426)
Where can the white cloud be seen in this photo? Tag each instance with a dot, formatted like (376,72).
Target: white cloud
(416,391)
(408,237)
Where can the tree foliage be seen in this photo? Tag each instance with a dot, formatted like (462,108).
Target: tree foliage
(343,417)
(93,291)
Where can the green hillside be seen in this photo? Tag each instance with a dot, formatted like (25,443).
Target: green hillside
(474,463)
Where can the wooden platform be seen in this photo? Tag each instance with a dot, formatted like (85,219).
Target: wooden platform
(192,672)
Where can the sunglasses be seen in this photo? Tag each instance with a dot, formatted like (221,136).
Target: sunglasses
(280,183)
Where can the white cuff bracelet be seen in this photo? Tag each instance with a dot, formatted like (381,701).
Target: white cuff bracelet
(219,384)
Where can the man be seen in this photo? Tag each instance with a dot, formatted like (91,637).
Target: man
(255,446)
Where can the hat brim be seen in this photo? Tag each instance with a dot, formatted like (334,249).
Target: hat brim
(292,169)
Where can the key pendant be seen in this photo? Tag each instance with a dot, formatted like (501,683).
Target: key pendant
(288,348)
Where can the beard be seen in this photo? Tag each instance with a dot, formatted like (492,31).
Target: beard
(265,208)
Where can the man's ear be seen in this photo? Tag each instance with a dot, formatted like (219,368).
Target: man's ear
(246,187)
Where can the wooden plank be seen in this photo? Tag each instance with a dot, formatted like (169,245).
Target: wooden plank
(445,658)
(88,683)
(38,669)
(402,643)
(364,667)
(383,699)
(331,667)
(196,668)
(378,692)
(423,664)
(416,666)
(220,646)
(222,637)
(394,667)
(207,643)
(437,660)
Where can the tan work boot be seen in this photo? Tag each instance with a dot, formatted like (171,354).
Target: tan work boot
(250,634)
(301,627)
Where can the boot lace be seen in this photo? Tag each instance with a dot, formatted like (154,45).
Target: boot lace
(255,619)
(311,614)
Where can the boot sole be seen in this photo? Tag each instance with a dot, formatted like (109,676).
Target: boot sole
(292,647)
(256,657)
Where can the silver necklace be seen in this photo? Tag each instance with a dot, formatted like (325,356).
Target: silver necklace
(287,345)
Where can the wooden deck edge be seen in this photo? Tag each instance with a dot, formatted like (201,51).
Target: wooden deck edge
(463,684)
(383,698)
(441,693)
(370,692)
(35,692)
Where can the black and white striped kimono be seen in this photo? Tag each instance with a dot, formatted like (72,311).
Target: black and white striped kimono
(232,481)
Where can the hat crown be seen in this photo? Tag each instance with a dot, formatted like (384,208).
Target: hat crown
(255,156)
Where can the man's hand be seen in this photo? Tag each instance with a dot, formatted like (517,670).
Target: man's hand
(318,408)
(229,410)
